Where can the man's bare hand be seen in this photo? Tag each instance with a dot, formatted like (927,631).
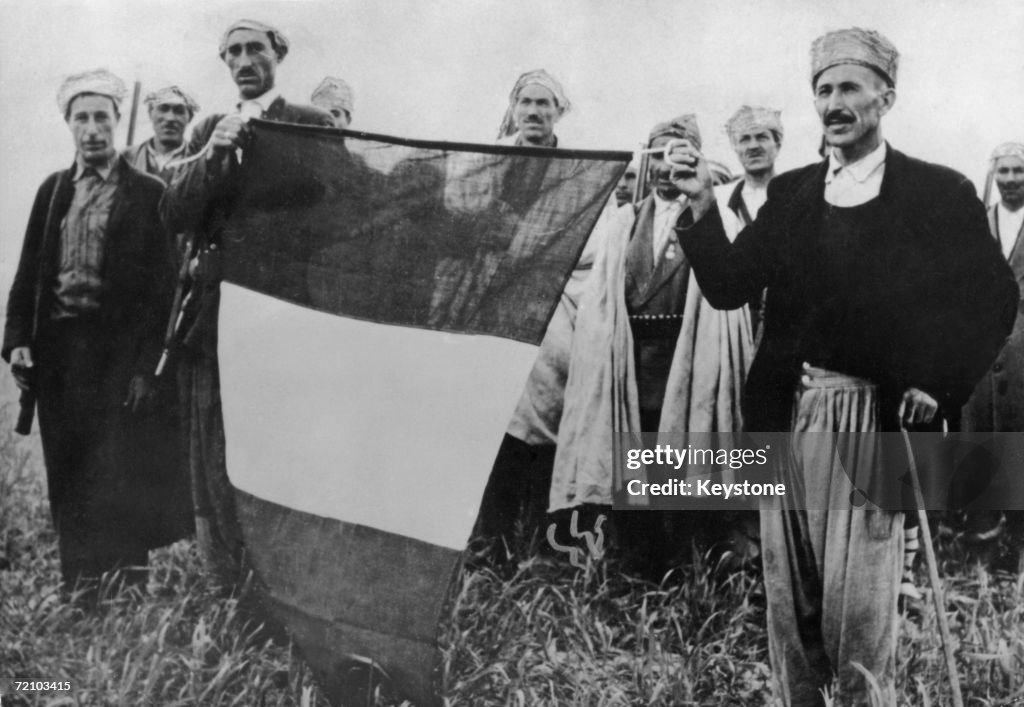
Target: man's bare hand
(21,366)
(917,408)
(207,266)
(691,175)
(140,394)
(230,134)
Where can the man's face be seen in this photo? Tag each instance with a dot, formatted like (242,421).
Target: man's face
(1010,180)
(851,100)
(340,115)
(757,150)
(536,113)
(92,119)
(252,61)
(625,189)
(169,121)
(658,170)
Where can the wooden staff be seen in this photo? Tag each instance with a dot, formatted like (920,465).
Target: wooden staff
(933,576)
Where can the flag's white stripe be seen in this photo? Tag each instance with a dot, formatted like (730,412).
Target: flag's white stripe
(385,426)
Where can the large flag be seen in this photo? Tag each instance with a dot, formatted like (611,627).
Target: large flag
(381,308)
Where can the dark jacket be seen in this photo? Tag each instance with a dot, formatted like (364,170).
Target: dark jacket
(137,267)
(199,199)
(199,190)
(927,305)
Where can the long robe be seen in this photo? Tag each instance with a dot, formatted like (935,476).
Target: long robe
(116,484)
(602,411)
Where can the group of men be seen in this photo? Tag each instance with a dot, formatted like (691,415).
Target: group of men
(875,289)
(879,298)
(91,299)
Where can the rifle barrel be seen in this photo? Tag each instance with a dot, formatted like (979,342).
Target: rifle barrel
(135,112)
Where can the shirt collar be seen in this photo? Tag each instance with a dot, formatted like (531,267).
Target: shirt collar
(519,142)
(1008,213)
(104,172)
(264,101)
(151,148)
(860,170)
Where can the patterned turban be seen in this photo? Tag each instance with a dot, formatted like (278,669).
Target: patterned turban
(1008,149)
(280,41)
(336,93)
(855,46)
(541,78)
(172,95)
(99,81)
(683,126)
(749,118)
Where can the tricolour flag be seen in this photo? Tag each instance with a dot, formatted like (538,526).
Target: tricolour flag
(382,304)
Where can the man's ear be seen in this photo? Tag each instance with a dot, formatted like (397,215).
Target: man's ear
(888,99)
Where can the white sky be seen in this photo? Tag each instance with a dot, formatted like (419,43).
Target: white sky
(442,69)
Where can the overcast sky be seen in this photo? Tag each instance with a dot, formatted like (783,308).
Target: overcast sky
(443,69)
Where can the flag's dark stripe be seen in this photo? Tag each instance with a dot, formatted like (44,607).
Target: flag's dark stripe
(361,576)
(486,251)
(335,133)
(344,589)
(411,665)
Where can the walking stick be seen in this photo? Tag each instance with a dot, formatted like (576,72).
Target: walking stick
(933,575)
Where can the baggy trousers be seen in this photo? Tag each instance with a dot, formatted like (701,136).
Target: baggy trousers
(832,564)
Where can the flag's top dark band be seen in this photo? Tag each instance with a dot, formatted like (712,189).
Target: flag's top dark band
(602,155)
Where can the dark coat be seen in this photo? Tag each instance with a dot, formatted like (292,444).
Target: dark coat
(115,478)
(997,404)
(137,269)
(928,305)
(196,193)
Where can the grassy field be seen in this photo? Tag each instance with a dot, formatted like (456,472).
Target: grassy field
(542,634)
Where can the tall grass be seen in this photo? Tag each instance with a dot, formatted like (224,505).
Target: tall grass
(543,634)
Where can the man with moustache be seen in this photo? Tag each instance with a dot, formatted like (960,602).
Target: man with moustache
(336,97)
(536,104)
(997,404)
(83,332)
(887,300)
(170,111)
(521,476)
(644,330)
(197,201)
(755,133)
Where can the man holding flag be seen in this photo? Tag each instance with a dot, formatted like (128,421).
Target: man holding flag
(198,200)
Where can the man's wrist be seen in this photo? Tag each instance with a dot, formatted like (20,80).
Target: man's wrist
(696,209)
